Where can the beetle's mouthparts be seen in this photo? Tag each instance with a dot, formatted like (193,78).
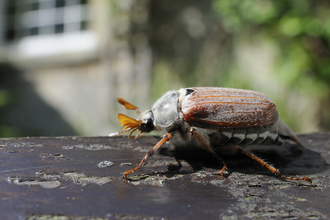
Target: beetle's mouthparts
(130,124)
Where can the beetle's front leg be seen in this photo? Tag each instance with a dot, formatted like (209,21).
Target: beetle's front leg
(209,149)
(166,137)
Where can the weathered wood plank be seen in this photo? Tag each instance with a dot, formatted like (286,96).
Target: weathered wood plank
(80,177)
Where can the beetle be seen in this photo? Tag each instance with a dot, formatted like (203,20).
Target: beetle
(224,119)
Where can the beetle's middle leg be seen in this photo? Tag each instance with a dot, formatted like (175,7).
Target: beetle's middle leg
(200,139)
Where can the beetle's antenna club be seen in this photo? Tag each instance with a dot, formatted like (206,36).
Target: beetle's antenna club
(130,123)
(128,105)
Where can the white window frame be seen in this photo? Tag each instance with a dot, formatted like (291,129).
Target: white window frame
(70,45)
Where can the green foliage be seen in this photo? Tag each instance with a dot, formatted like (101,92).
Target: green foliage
(300,30)
(6,99)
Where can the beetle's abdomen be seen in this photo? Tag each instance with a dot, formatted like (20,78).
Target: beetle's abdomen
(266,135)
(212,107)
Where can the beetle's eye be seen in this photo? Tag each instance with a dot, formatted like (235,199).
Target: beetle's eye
(148,125)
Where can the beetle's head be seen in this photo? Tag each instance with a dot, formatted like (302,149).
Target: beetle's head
(144,122)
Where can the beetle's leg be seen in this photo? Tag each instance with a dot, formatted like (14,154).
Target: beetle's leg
(271,168)
(193,132)
(166,137)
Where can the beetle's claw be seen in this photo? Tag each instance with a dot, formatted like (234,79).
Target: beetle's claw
(128,172)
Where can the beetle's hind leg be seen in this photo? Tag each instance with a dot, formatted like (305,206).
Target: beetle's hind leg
(200,139)
(271,168)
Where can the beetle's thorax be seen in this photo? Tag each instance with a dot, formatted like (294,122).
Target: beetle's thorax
(165,111)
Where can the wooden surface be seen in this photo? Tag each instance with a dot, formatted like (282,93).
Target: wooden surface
(81,178)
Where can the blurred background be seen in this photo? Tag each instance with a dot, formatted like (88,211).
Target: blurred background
(63,63)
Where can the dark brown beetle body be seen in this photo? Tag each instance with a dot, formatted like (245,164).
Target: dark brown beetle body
(232,116)
(213,118)
(231,108)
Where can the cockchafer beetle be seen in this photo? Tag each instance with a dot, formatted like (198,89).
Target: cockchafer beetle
(213,118)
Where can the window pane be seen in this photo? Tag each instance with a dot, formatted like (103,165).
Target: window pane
(59,28)
(83,25)
(83,2)
(10,35)
(44,17)
(59,3)
(34,6)
(33,31)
